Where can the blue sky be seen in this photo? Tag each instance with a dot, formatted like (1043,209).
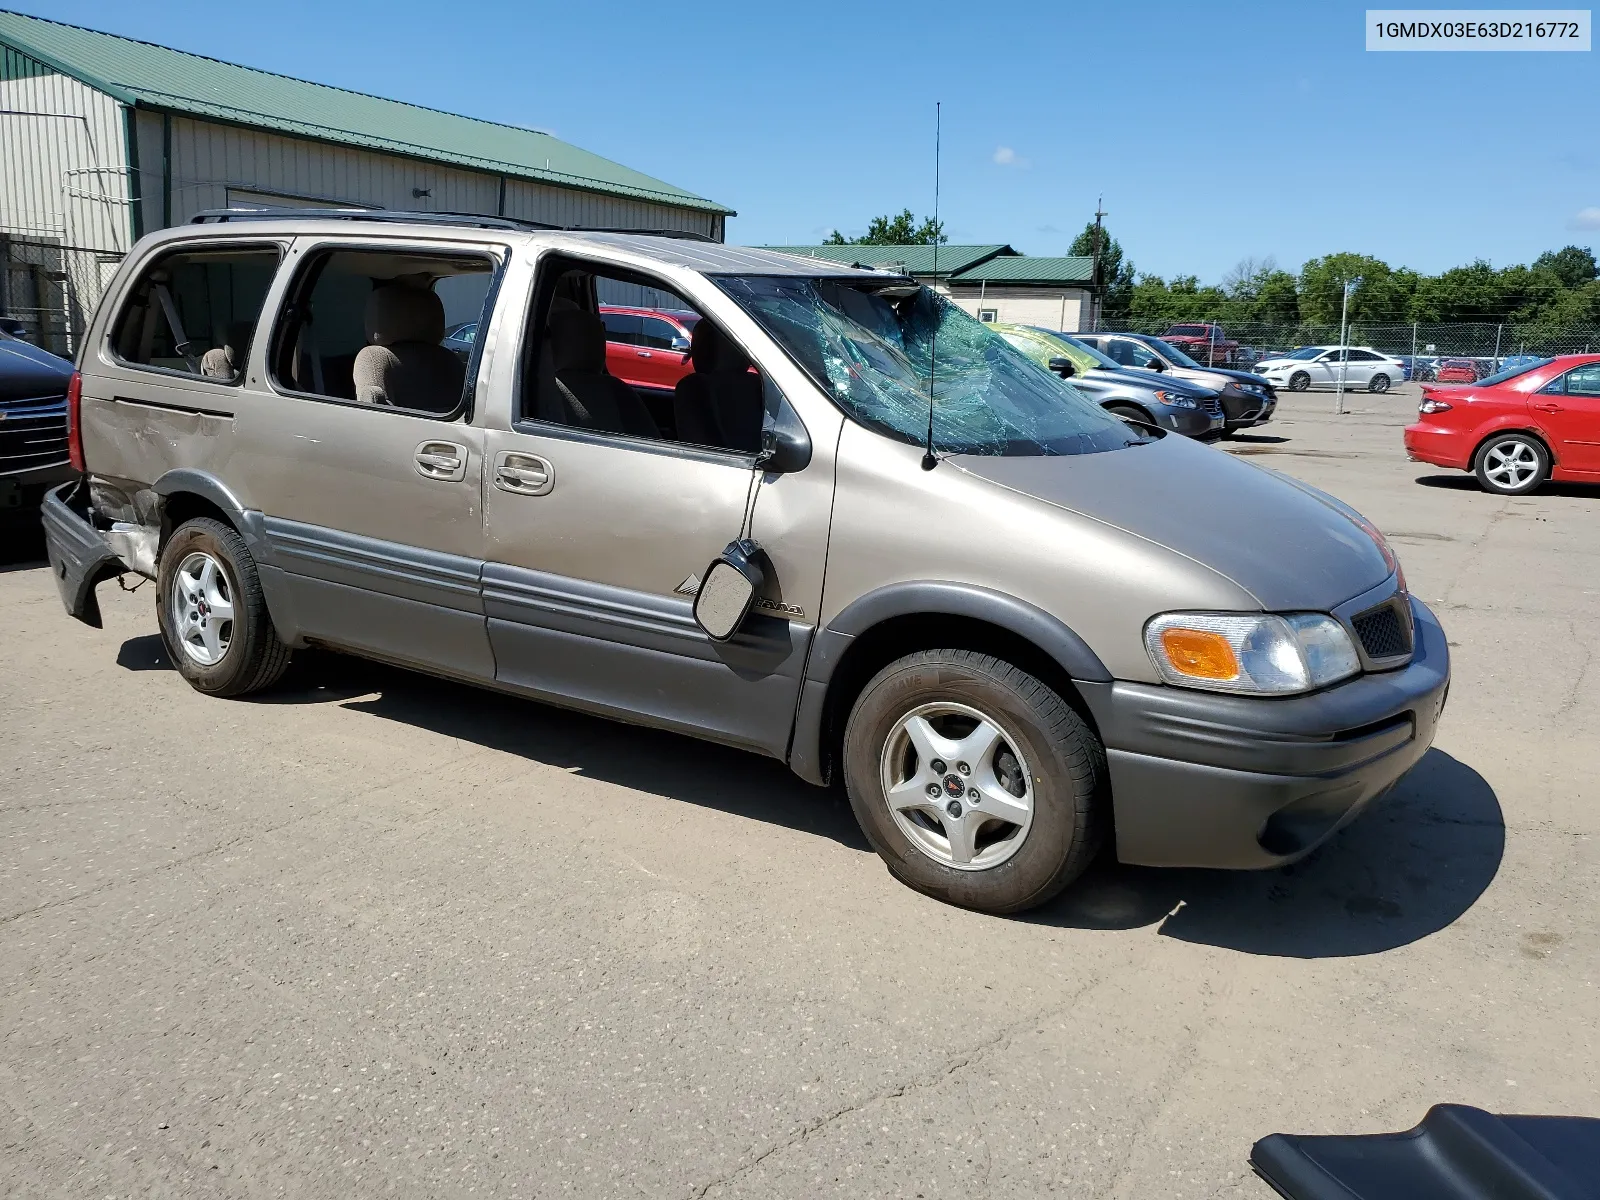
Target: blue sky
(1215,132)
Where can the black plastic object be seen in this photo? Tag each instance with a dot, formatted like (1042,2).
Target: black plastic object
(1456,1153)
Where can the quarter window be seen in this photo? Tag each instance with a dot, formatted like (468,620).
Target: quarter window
(365,326)
(195,311)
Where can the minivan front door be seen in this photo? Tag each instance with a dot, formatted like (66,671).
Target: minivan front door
(595,546)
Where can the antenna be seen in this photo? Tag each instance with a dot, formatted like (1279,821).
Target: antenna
(929,462)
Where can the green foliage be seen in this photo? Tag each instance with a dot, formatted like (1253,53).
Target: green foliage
(898,230)
(1116,273)
(1560,287)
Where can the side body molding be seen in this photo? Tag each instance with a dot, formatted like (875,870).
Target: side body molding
(923,598)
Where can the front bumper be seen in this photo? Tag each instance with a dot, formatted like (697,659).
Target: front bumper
(1190,422)
(79,556)
(1245,410)
(22,491)
(1206,780)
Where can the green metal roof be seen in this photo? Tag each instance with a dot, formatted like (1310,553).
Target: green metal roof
(918,260)
(1026,269)
(157,77)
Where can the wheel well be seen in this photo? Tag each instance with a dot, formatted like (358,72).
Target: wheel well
(186,506)
(1133,404)
(897,637)
(1472,461)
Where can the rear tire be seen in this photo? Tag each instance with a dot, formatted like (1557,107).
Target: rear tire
(1299,381)
(213,616)
(1034,761)
(1511,464)
(1378,384)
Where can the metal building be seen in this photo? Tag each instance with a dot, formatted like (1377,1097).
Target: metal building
(103,138)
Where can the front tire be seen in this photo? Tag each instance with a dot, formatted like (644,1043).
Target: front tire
(1379,384)
(1019,780)
(1511,464)
(212,613)
(1299,381)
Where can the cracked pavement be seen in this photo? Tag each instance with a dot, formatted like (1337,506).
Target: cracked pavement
(379,934)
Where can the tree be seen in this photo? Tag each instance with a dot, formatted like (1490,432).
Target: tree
(1383,295)
(1116,274)
(898,230)
(1574,266)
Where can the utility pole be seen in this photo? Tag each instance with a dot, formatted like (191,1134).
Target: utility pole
(1099,291)
(1350,285)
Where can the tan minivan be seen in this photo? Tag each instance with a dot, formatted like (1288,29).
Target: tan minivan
(862,534)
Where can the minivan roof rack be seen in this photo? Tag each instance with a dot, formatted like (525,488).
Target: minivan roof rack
(211,216)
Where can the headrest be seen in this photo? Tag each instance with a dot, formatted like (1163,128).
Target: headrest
(711,350)
(577,340)
(398,313)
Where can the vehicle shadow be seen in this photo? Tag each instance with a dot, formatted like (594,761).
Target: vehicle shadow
(645,760)
(1408,867)
(1256,438)
(1464,482)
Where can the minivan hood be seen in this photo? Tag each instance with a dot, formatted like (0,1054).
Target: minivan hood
(1289,546)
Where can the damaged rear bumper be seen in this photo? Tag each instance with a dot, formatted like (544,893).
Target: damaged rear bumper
(79,556)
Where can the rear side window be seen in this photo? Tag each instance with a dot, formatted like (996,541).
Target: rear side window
(367,326)
(195,311)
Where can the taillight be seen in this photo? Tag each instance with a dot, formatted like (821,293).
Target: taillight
(75,422)
(1433,406)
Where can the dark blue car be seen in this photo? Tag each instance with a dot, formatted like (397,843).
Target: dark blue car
(33,430)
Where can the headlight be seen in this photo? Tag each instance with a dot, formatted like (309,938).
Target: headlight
(1252,654)
(1177,401)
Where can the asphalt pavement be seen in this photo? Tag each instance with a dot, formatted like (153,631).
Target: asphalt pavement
(374,934)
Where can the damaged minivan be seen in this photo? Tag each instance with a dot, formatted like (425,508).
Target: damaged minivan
(853,529)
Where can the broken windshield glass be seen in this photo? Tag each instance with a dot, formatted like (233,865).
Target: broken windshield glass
(869,345)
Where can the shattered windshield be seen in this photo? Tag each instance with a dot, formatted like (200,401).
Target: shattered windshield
(869,346)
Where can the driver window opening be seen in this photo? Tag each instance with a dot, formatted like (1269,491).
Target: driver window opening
(618,353)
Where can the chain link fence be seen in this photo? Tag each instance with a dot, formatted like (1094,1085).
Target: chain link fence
(1489,346)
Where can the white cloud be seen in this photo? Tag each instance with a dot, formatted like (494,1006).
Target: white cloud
(1005,156)
(1587,218)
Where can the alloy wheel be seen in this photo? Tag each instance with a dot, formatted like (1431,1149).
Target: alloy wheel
(202,608)
(1511,464)
(957,786)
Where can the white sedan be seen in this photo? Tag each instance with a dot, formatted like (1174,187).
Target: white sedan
(1320,366)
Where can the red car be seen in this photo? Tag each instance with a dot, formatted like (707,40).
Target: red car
(648,347)
(1203,342)
(1458,370)
(1516,429)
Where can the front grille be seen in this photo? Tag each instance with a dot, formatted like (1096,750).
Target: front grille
(32,437)
(1384,633)
(1212,405)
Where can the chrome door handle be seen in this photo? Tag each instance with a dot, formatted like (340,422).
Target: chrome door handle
(444,461)
(523,474)
(645,354)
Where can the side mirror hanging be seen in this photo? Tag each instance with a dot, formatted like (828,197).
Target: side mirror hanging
(727,590)
(1063,367)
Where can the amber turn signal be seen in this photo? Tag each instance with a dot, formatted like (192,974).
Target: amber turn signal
(1199,653)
